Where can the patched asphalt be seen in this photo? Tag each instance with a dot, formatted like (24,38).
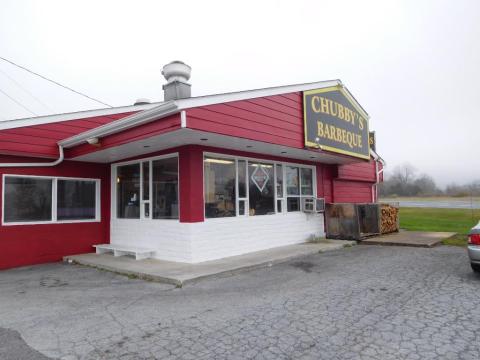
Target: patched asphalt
(364,302)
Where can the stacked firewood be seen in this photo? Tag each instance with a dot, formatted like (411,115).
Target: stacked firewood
(389,221)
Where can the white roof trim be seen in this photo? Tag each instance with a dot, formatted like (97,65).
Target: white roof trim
(174,106)
(48,119)
(377,157)
(251,94)
(125,123)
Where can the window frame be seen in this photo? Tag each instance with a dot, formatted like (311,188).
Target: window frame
(273,162)
(54,219)
(140,161)
(300,196)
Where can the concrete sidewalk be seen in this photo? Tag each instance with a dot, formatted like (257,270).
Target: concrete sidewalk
(181,273)
(409,238)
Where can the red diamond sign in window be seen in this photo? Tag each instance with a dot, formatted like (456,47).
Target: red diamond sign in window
(260,177)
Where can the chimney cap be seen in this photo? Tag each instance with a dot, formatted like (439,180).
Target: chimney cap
(176,71)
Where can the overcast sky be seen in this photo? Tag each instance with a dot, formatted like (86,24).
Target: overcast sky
(413,65)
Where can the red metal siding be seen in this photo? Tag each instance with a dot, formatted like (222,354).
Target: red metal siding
(274,119)
(362,171)
(34,244)
(41,140)
(352,192)
(191,183)
(328,174)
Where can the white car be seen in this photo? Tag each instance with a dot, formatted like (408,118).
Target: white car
(474,247)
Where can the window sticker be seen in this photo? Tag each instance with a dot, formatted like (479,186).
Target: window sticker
(260,177)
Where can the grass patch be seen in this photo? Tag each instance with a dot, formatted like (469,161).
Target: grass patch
(456,240)
(459,221)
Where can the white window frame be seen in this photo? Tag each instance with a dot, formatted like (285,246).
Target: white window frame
(273,162)
(113,195)
(238,199)
(299,196)
(54,219)
(283,199)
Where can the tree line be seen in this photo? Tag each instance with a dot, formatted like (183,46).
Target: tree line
(406,181)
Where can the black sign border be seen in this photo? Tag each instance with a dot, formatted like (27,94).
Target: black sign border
(350,99)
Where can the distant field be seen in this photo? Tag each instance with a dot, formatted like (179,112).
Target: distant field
(432,198)
(437,219)
(437,202)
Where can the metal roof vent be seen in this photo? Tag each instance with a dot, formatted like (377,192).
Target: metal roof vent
(177,74)
(142,101)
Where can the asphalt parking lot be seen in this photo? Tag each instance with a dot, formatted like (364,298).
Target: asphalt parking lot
(365,302)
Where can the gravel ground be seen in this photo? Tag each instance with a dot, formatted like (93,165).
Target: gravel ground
(365,302)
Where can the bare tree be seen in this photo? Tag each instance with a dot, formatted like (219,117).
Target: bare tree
(404,181)
(404,173)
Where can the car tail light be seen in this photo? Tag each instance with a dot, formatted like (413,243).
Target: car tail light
(474,239)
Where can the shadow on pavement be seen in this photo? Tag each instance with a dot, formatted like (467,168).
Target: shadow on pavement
(13,347)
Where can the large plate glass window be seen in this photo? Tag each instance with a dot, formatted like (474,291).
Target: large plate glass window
(128,191)
(261,188)
(76,199)
(27,199)
(219,182)
(247,187)
(148,189)
(165,188)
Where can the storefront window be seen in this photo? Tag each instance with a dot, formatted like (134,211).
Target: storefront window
(76,199)
(306,181)
(145,190)
(272,187)
(299,184)
(165,188)
(146,180)
(293,204)
(279,186)
(279,181)
(27,199)
(128,191)
(261,188)
(293,181)
(242,179)
(153,195)
(219,182)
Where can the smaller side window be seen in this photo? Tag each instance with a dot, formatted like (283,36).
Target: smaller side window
(27,199)
(76,199)
(31,199)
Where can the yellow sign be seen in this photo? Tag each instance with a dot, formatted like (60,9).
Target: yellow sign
(335,122)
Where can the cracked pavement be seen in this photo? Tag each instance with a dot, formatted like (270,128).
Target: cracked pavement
(365,302)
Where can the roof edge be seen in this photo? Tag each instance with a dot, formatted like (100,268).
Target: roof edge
(139,118)
(255,93)
(84,114)
(173,106)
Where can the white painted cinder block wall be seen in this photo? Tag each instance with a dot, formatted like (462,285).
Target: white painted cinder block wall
(219,238)
(170,238)
(216,238)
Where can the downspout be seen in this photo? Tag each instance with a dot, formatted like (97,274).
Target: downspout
(41,164)
(374,186)
(377,180)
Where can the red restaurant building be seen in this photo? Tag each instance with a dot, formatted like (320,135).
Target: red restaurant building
(189,179)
